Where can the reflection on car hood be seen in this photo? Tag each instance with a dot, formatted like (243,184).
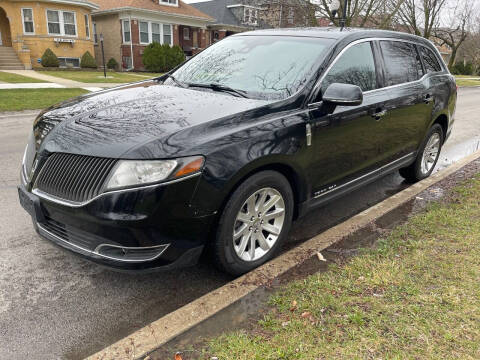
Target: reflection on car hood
(118,122)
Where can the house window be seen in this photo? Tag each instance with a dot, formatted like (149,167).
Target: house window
(144,38)
(87,27)
(27,18)
(127,61)
(186,33)
(126,31)
(95,37)
(69,62)
(61,23)
(250,16)
(168,2)
(167,34)
(156,36)
(155,32)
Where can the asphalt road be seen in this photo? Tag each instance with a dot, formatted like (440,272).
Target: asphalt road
(55,305)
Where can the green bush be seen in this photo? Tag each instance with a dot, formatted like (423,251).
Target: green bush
(88,61)
(462,69)
(154,57)
(162,58)
(175,57)
(49,59)
(112,64)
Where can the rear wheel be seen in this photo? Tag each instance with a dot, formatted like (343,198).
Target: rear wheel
(427,157)
(254,223)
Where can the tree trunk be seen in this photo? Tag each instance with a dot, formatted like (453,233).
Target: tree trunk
(453,57)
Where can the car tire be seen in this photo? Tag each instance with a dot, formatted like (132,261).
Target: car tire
(425,162)
(234,253)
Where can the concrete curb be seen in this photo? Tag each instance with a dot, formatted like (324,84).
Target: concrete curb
(144,341)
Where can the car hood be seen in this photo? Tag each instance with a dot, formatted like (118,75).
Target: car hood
(124,121)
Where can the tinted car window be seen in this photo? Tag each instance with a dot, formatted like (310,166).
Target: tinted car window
(266,67)
(430,60)
(356,66)
(401,62)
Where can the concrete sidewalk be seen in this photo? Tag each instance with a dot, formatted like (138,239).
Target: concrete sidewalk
(52,80)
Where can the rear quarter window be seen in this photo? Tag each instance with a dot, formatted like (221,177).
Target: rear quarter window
(430,60)
(402,63)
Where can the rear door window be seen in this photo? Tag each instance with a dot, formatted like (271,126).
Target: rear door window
(402,63)
(355,66)
(429,60)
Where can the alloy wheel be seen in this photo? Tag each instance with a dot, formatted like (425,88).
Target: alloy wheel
(430,153)
(258,224)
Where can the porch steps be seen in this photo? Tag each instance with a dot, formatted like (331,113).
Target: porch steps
(9,59)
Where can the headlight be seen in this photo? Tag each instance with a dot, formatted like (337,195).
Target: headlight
(128,173)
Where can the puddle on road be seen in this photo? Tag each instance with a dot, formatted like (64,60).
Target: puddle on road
(455,153)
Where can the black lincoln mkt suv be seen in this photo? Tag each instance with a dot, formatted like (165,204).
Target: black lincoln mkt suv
(226,150)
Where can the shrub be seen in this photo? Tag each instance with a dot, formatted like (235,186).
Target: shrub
(49,59)
(112,64)
(88,61)
(462,69)
(154,57)
(162,58)
(175,57)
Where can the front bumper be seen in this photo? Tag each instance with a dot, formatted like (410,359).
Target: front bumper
(149,228)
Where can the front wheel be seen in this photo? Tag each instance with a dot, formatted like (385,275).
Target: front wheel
(254,223)
(427,157)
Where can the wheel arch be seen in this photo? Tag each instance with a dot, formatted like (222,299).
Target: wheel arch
(442,120)
(297,181)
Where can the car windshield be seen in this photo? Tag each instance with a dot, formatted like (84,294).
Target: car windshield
(262,67)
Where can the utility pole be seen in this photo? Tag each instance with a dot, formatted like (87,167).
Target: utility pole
(344,15)
(103,57)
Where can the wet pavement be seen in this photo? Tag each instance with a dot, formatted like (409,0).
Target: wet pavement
(56,305)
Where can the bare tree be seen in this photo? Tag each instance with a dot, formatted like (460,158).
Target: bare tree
(363,13)
(420,17)
(456,28)
(470,49)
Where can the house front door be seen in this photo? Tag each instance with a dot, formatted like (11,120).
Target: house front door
(1,42)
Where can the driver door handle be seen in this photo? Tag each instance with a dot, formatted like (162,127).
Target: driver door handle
(379,114)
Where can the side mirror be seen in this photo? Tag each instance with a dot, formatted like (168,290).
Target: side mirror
(343,95)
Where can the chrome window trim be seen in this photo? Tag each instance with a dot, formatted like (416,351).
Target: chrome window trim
(75,204)
(353,43)
(95,253)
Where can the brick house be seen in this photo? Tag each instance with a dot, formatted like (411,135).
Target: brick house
(233,16)
(128,26)
(28,28)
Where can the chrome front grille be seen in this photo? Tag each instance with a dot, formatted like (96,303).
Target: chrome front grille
(75,178)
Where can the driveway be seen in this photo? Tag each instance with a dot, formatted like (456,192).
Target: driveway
(56,305)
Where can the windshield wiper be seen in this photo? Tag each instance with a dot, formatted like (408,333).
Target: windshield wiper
(178,82)
(220,87)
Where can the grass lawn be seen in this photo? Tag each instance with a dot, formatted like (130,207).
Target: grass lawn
(15,79)
(97,76)
(467,76)
(415,296)
(29,99)
(465,82)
